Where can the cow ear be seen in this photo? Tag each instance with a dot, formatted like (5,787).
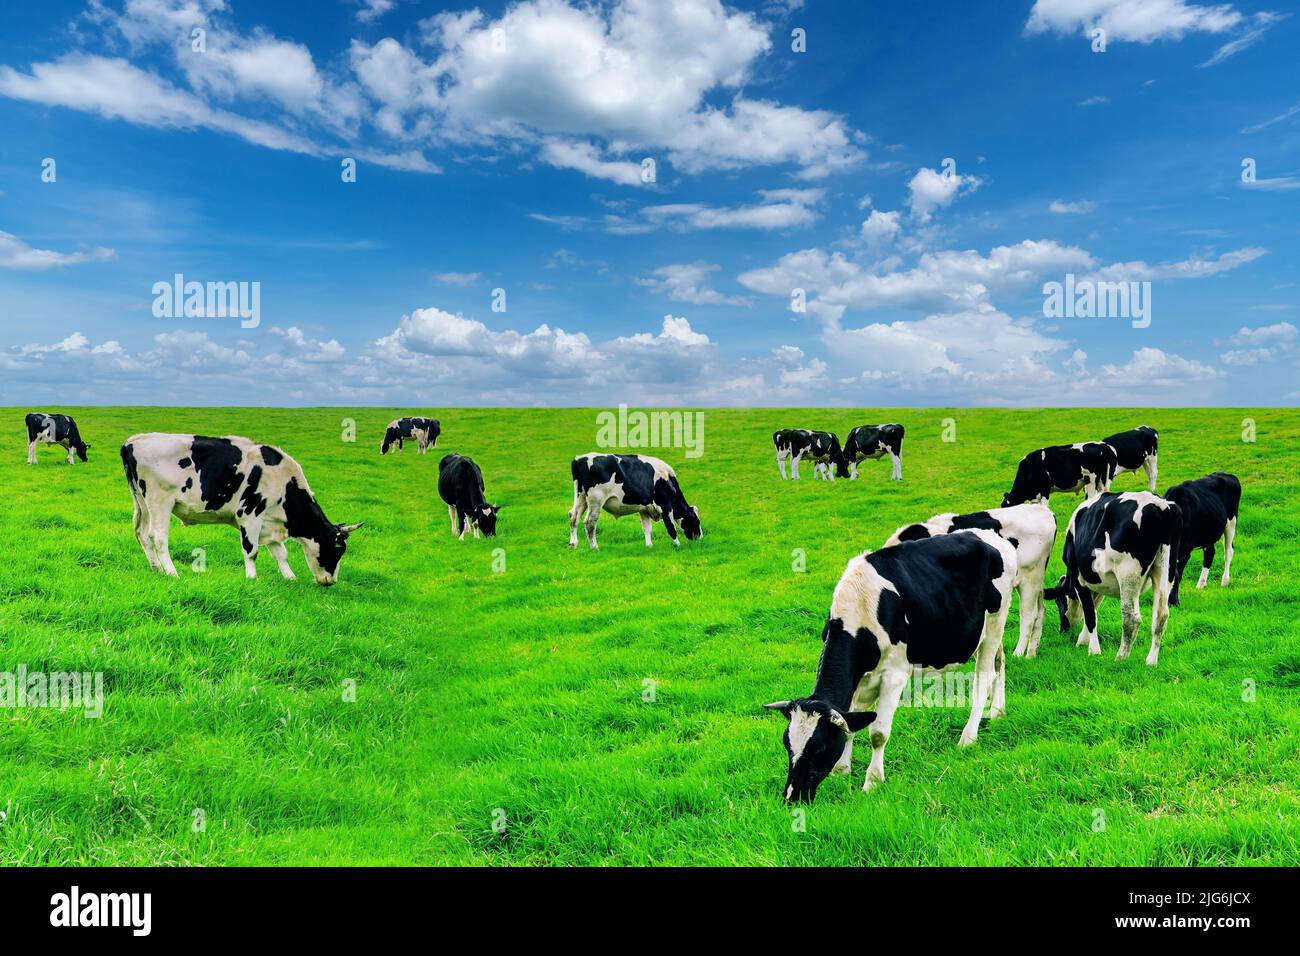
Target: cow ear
(349,528)
(782,705)
(857,719)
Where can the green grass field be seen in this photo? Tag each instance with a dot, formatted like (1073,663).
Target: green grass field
(518,696)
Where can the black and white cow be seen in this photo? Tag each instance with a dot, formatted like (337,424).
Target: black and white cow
(43,429)
(875,441)
(257,488)
(1119,545)
(930,604)
(822,448)
(1084,466)
(1209,507)
(460,483)
(423,431)
(629,484)
(1136,448)
(1031,530)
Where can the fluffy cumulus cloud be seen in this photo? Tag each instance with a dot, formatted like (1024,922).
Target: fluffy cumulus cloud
(690,282)
(1261,345)
(593,88)
(930,190)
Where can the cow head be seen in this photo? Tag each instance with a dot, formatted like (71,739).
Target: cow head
(324,551)
(839,459)
(392,436)
(814,739)
(1068,608)
(691,524)
(81,448)
(486,519)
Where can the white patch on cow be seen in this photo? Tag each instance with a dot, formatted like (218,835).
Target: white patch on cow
(803,724)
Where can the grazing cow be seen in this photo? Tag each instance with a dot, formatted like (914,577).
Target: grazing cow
(629,484)
(46,429)
(822,448)
(1209,507)
(424,431)
(930,604)
(1084,466)
(460,483)
(257,488)
(1118,544)
(1031,530)
(1134,449)
(875,441)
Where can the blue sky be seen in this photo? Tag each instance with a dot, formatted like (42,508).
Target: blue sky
(502,147)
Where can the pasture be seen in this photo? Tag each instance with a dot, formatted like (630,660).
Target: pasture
(605,707)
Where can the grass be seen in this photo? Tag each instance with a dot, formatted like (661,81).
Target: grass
(520,694)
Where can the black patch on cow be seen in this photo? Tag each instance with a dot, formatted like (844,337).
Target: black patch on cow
(217,461)
(636,476)
(132,471)
(977,519)
(185,463)
(244,542)
(1134,446)
(251,502)
(945,587)
(914,532)
(271,455)
(189,483)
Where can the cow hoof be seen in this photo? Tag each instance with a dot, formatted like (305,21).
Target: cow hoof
(1094,651)
(1224,582)
(871,781)
(967,738)
(1152,659)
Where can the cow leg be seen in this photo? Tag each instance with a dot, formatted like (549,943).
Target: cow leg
(460,525)
(672,527)
(1030,590)
(986,677)
(1207,559)
(140,519)
(794,464)
(998,707)
(579,503)
(1229,535)
(864,698)
(1130,592)
(1149,465)
(249,533)
(474,525)
(281,559)
(853,471)
(646,524)
(31,453)
(1088,601)
(897,461)
(159,532)
(72,454)
(1159,603)
(451,513)
(780,463)
(892,683)
(592,518)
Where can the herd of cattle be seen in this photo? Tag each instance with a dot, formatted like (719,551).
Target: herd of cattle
(933,598)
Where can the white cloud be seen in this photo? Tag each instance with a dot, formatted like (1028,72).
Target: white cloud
(458,278)
(1153,370)
(1194,267)
(374,9)
(1095,101)
(930,190)
(586,158)
(776,209)
(689,282)
(1063,208)
(1138,21)
(1266,343)
(1260,24)
(880,228)
(16,254)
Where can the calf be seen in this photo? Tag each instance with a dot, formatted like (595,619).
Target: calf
(931,604)
(460,483)
(257,488)
(629,484)
(875,441)
(1031,530)
(424,431)
(1118,544)
(1084,466)
(1209,507)
(822,448)
(1134,449)
(46,429)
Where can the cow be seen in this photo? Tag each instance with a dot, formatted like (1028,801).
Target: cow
(44,429)
(875,441)
(1209,507)
(1136,448)
(1118,545)
(231,480)
(460,483)
(424,431)
(1084,466)
(930,604)
(629,484)
(1031,530)
(822,448)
